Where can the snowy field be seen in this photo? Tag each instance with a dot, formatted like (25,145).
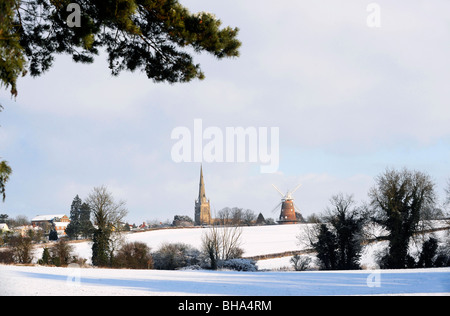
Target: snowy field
(255,240)
(37,280)
(21,280)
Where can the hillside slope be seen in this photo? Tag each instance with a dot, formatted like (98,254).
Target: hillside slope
(255,241)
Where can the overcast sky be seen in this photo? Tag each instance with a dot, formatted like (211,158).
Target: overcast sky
(349,101)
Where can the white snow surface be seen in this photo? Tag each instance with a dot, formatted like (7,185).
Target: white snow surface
(38,280)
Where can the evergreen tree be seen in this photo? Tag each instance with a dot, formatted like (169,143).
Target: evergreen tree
(53,235)
(326,247)
(339,237)
(347,222)
(428,254)
(100,247)
(399,200)
(5,172)
(45,256)
(3,218)
(74,227)
(12,58)
(86,227)
(260,220)
(155,36)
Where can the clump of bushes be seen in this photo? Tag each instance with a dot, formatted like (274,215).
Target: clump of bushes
(134,255)
(60,255)
(19,251)
(239,264)
(173,256)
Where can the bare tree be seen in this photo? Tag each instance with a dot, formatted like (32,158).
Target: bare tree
(105,210)
(19,220)
(249,217)
(447,197)
(300,263)
(236,215)
(61,253)
(21,249)
(222,243)
(224,216)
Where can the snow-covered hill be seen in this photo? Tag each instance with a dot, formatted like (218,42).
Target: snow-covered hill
(256,240)
(38,280)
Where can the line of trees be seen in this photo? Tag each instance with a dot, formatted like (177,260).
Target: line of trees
(400,202)
(231,216)
(241,217)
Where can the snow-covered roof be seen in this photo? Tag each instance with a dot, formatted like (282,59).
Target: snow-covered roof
(47,217)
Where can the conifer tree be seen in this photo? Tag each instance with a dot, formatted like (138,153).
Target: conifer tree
(74,227)
(154,36)
(45,256)
(5,172)
(86,227)
(53,235)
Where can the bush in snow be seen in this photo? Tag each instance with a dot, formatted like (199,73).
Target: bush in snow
(172,256)
(21,248)
(134,255)
(7,256)
(239,264)
(300,263)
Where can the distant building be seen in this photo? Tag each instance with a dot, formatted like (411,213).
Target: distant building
(57,221)
(3,228)
(24,230)
(202,206)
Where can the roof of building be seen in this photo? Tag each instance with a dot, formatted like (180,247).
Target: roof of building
(47,217)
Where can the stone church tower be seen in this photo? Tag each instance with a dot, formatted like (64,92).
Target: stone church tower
(202,207)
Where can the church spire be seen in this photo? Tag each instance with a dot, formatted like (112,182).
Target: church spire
(201,191)
(202,206)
